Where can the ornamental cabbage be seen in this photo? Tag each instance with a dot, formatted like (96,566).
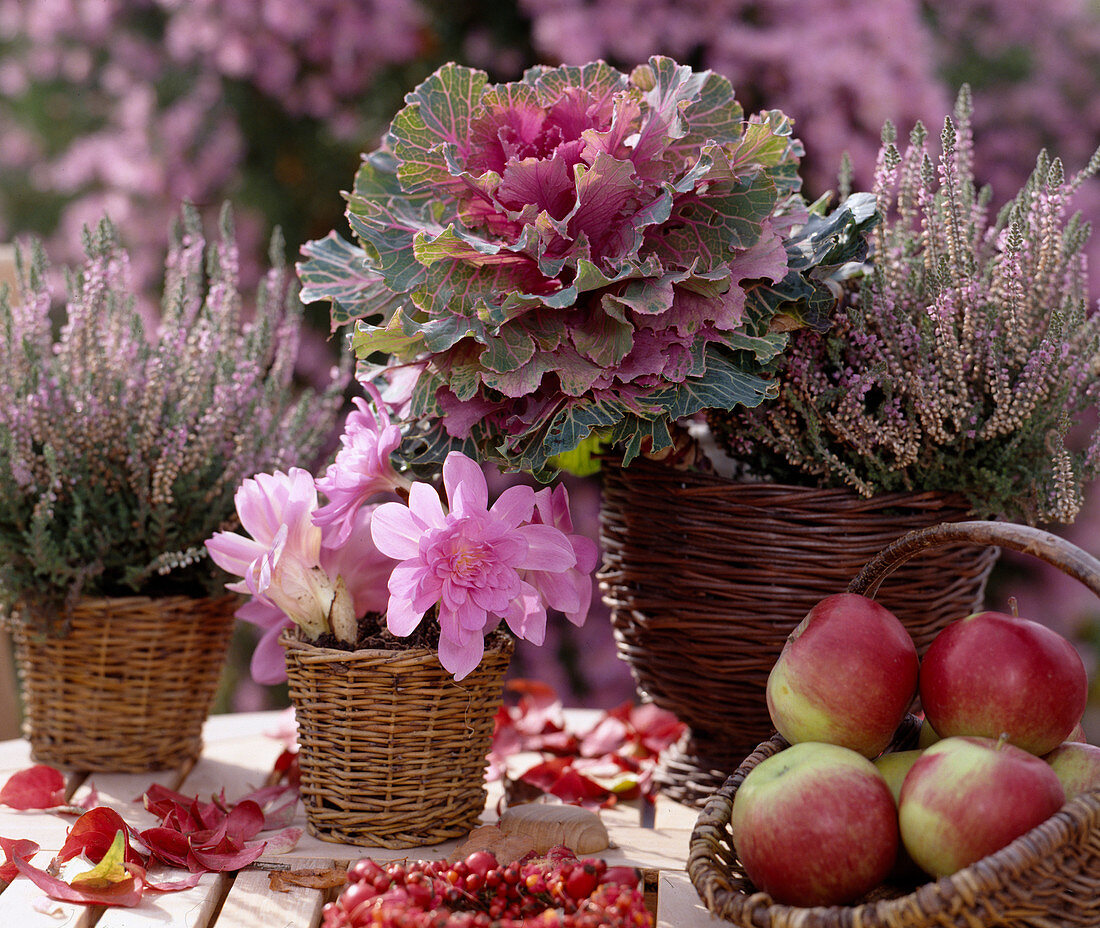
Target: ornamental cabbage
(580,253)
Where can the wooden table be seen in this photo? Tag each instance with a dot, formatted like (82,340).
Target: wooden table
(239,753)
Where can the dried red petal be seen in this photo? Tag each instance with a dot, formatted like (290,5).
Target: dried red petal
(13,848)
(125,893)
(38,787)
(167,845)
(93,833)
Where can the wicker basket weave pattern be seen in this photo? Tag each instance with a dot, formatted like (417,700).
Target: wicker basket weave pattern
(1047,878)
(706,578)
(129,685)
(392,749)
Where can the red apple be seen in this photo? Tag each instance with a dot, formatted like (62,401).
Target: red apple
(992,673)
(1078,734)
(846,675)
(1077,765)
(966,797)
(815,824)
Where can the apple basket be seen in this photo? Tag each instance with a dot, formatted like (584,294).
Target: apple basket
(1049,876)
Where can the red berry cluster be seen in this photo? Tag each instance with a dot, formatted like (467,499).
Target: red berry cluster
(556,891)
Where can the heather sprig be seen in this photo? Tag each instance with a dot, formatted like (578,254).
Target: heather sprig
(966,354)
(122,443)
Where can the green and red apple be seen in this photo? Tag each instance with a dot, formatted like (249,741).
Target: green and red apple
(991,674)
(894,767)
(966,797)
(847,675)
(1077,766)
(815,824)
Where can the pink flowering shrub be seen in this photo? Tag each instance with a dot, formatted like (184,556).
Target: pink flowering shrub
(579,253)
(127,107)
(965,353)
(323,568)
(122,444)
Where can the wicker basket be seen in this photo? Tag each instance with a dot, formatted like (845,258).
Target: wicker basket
(1048,877)
(707,577)
(129,685)
(392,750)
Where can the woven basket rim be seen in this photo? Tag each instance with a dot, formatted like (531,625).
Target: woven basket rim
(748,484)
(292,639)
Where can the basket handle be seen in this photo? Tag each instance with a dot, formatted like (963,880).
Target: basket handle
(1056,551)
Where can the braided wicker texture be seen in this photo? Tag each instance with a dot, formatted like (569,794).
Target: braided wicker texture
(706,578)
(392,750)
(128,687)
(1046,878)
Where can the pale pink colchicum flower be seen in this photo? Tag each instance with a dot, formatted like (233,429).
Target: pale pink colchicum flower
(468,562)
(362,469)
(281,562)
(569,591)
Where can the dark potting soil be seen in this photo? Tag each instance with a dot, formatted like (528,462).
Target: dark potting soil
(373,634)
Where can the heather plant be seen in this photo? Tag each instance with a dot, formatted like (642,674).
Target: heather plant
(966,351)
(122,444)
(580,255)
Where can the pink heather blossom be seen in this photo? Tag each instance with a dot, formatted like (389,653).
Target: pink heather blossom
(569,591)
(467,561)
(362,468)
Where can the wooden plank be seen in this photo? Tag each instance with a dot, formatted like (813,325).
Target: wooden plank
(252,903)
(19,900)
(238,766)
(648,848)
(679,905)
(123,791)
(675,815)
(242,725)
(48,830)
(14,755)
(189,908)
(309,846)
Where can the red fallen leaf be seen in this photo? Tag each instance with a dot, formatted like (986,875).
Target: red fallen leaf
(167,845)
(244,821)
(560,778)
(13,848)
(267,795)
(208,814)
(37,787)
(93,833)
(608,735)
(161,801)
(283,842)
(282,816)
(657,728)
(175,886)
(220,861)
(124,893)
(539,707)
(286,769)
